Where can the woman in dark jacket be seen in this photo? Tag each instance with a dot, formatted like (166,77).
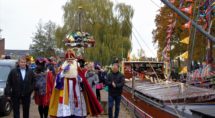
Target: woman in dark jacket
(43,87)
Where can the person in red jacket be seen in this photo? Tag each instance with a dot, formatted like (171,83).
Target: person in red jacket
(43,87)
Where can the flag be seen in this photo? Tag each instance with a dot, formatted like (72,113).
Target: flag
(165,54)
(185,40)
(187,10)
(213,4)
(186,25)
(170,26)
(189,0)
(205,26)
(168,35)
(184,55)
(212,73)
(169,30)
(172,1)
(170,20)
(171,15)
(183,70)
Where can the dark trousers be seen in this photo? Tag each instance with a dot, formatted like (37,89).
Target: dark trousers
(98,95)
(43,110)
(25,100)
(111,100)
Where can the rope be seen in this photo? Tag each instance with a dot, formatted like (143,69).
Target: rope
(135,37)
(193,36)
(149,62)
(155,3)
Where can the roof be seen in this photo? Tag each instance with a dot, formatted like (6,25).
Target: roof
(205,111)
(17,52)
(8,62)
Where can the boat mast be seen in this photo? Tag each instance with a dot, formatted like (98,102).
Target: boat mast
(192,39)
(209,56)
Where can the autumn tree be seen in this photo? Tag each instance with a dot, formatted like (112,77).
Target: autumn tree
(44,42)
(198,40)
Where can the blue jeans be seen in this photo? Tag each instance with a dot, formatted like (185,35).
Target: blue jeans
(111,100)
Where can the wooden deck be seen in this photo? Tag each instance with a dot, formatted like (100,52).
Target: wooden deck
(173,91)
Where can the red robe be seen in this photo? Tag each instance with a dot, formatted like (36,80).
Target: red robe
(45,100)
(91,100)
(93,106)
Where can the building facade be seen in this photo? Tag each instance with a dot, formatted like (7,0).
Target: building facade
(2,46)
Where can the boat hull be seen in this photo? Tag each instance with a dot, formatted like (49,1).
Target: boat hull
(143,109)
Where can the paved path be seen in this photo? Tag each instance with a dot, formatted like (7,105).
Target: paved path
(124,113)
(34,112)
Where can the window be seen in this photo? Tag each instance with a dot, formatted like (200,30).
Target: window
(4,71)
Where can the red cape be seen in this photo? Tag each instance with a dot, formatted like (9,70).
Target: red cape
(95,107)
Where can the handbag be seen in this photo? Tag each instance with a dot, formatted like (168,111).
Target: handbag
(99,86)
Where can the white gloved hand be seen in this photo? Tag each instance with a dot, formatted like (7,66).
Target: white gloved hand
(113,84)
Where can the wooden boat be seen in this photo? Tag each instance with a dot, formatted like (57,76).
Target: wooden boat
(165,99)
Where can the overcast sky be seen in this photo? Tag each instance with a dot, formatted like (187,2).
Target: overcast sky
(19,18)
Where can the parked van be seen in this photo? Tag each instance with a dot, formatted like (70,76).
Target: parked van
(6,65)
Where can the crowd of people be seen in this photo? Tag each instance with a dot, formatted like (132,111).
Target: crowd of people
(69,88)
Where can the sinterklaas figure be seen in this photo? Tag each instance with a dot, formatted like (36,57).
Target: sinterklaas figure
(72,96)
